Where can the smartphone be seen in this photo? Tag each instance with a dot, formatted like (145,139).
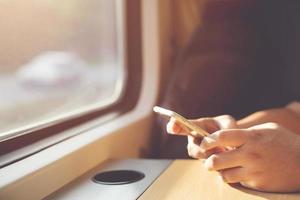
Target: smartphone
(193,129)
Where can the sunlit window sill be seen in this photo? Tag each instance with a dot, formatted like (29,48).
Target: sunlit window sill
(56,166)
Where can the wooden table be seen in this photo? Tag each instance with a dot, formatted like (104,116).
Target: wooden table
(187,179)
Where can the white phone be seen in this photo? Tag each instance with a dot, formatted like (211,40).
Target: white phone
(194,130)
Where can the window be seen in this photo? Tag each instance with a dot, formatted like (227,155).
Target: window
(57,58)
(63,63)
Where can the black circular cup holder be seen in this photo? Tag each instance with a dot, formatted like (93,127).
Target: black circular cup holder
(118,177)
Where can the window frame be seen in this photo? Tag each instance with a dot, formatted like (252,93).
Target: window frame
(56,166)
(124,102)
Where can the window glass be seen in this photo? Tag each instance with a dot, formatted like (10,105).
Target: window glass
(57,57)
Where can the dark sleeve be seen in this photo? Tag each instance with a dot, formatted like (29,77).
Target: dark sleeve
(214,69)
(282,31)
(244,57)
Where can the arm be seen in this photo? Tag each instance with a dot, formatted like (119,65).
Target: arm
(286,117)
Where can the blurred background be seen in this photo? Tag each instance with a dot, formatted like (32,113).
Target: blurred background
(56,56)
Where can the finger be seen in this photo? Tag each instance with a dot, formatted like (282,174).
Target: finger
(225,138)
(208,124)
(224,160)
(195,151)
(175,127)
(234,175)
(198,153)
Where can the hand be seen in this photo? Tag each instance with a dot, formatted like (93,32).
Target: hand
(266,157)
(210,125)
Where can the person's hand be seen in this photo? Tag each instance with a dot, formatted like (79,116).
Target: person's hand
(210,125)
(265,157)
